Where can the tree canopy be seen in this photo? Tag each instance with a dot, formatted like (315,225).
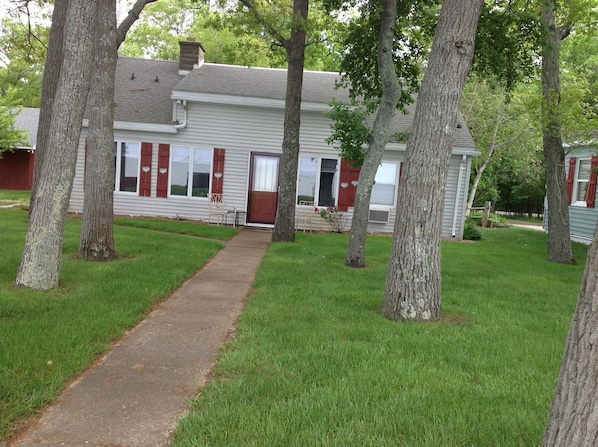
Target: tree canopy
(10,137)
(24,37)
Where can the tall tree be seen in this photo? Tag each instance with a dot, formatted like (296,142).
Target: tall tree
(97,235)
(275,22)
(288,30)
(391,92)
(380,65)
(413,284)
(572,420)
(559,242)
(284,226)
(52,70)
(42,252)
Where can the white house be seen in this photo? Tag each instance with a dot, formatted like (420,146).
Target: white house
(186,129)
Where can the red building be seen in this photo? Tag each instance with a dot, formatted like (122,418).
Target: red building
(16,168)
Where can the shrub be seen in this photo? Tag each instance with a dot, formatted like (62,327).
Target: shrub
(471,231)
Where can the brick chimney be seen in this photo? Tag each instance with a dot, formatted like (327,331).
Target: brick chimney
(191,55)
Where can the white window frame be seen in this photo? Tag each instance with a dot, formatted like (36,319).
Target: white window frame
(335,180)
(171,171)
(383,206)
(118,166)
(577,182)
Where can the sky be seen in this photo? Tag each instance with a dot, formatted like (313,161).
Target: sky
(122,8)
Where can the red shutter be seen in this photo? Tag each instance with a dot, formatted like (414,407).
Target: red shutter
(591,192)
(163,166)
(217,171)
(348,185)
(570,177)
(145,170)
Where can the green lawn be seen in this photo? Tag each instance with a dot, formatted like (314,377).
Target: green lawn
(12,197)
(315,364)
(48,338)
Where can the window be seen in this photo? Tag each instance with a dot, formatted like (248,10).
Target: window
(126,160)
(582,179)
(317,180)
(385,185)
(190,170)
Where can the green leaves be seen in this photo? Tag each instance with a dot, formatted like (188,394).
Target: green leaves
(349,131)
(9,136)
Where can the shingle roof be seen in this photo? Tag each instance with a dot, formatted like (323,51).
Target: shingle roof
(255,82)
(143,100)
(27,119)
(269,83)
(143,88)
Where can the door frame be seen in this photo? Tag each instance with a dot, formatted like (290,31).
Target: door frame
(252,156)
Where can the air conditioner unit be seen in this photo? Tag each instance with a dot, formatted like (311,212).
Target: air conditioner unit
(379,216)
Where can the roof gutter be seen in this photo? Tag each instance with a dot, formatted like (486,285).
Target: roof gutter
(183,123)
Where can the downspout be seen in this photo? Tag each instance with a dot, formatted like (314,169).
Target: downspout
(457,198)
(182,124)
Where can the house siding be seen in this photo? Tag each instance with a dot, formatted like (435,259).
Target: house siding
(241,130)
(582,220)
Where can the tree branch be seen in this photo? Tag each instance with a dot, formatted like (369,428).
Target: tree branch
(563,31)
(126,24)
(260,20)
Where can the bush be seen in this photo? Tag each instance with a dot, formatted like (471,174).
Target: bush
(496,219)
(471,231)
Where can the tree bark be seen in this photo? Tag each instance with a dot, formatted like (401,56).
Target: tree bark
(284,226)
(573,418)
(52,69)
(391,92)
(41,258)
(97,234)
(559,239)
(97,231)
(413,284)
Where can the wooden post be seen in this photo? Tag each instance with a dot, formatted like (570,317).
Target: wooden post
(486,215)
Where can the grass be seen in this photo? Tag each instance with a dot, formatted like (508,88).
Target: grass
(11,197)
(315,364)
(48,338)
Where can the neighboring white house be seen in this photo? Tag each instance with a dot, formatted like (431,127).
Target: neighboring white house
(185,129)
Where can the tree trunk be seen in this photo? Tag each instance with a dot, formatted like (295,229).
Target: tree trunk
(480,171)
(41,258)
(52,69)
(573,418)
(97,231)
(413,284)
(391,93)
(284,226)
(559,239)
(97,235)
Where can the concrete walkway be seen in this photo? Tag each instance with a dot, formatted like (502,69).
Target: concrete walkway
(133,396)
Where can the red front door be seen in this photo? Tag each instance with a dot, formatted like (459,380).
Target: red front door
(263,188)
